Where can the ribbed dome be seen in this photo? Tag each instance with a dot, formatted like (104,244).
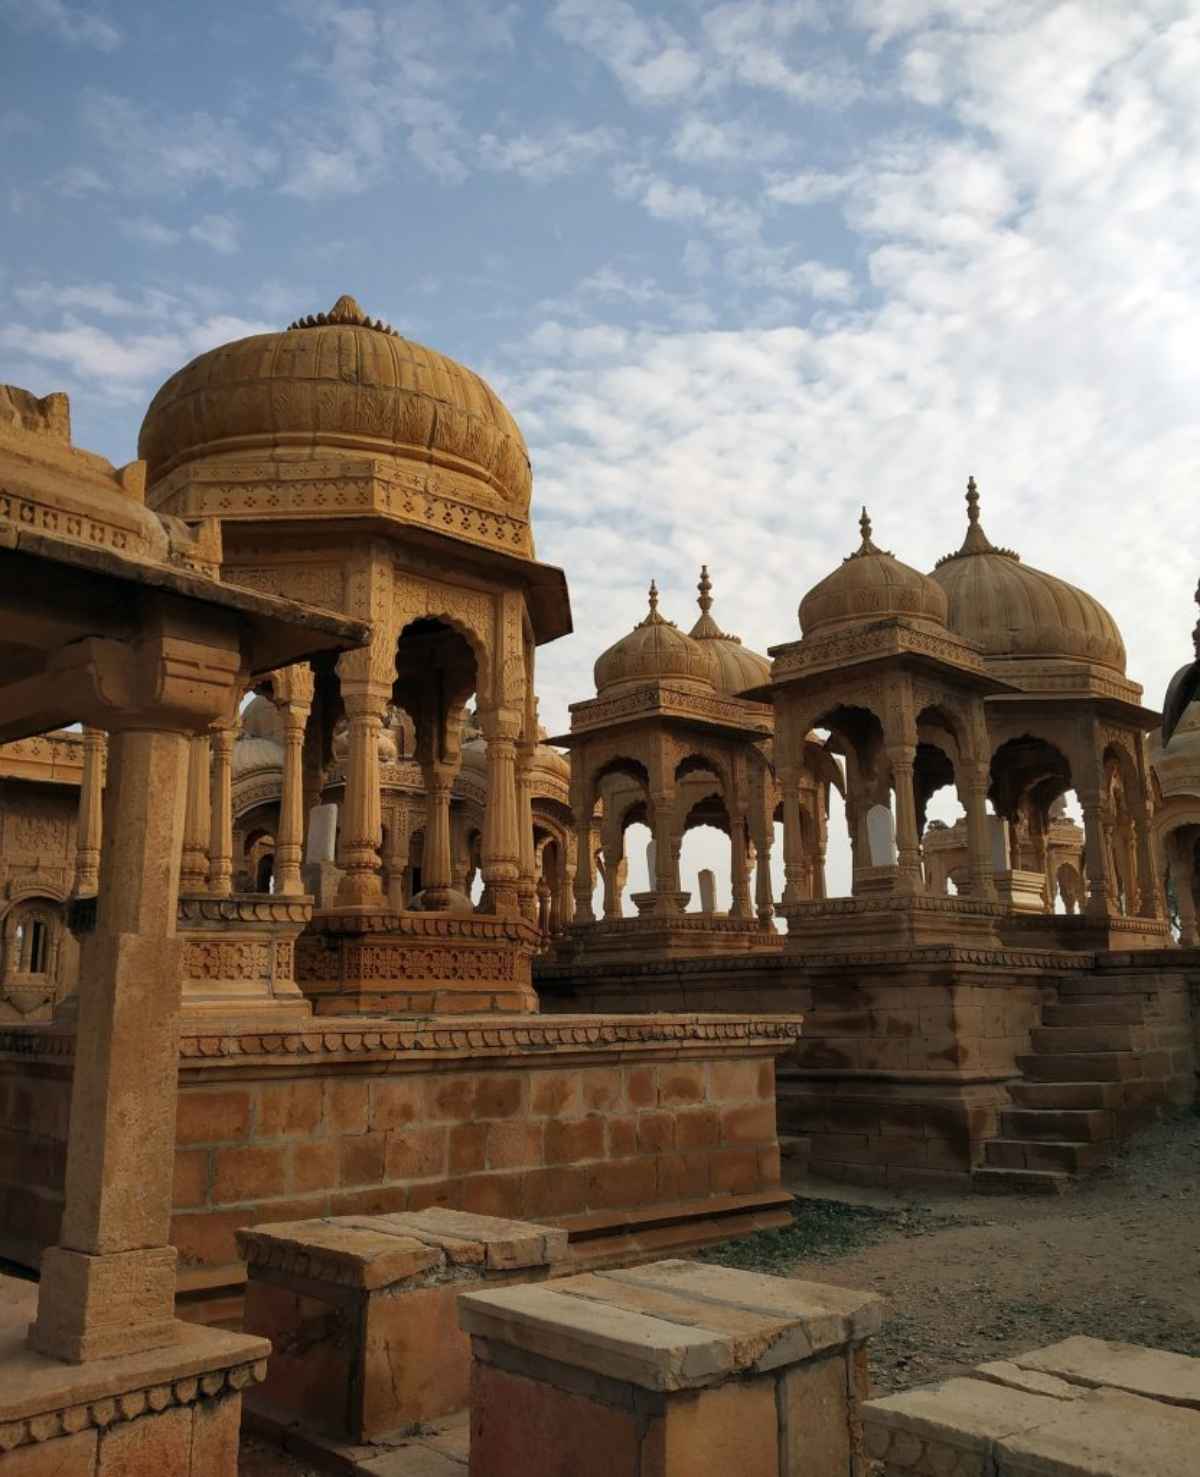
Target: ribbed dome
(338,381)
(1178,764)
(1011,610)
(654,650)
(251,753)
(260,719)
(871,585)
(738,668)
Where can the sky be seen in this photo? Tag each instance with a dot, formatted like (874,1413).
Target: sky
(737,268)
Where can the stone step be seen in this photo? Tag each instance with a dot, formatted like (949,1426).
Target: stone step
(1072,1158)
(1084,1125)
(1068,1096)
(1064,1066)
(988,1181)
(1115,1012)
(1054,1039)
(1095,987)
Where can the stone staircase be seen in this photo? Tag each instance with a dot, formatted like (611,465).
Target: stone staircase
(1097,1071)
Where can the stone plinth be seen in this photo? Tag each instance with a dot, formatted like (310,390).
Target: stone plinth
(663,936)
(670,1370)
(1082,1408)
(238,959)
(175,1409)
(886,921)
(361,1312)
(637,1134)
(417,963)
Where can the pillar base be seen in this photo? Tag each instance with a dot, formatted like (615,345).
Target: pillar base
(176,1408)
(95,1307)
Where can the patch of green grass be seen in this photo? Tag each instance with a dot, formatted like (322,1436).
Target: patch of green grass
(820,1229)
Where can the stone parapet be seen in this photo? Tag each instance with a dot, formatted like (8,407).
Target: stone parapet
(1081,1408)
(663,936)
(675,1369)
(361,1313)
(635,1133)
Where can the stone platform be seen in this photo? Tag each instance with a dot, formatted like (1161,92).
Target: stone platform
(943,1064)
(637,1134)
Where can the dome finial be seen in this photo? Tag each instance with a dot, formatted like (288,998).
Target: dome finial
(972,501)
(705,588)
(976,541)
(653,598)
(867,546)
(344,311)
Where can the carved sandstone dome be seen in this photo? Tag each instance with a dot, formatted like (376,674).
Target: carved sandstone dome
(871,584)
(738,668)
(1010,610)
(341,381)
(656,650)
(1177,764)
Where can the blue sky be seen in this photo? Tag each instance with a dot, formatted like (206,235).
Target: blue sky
(736,267)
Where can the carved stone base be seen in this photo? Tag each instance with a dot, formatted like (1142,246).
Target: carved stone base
(238,960)
(674,936)
(420,963)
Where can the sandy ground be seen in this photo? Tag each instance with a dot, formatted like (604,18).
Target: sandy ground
(969,1278)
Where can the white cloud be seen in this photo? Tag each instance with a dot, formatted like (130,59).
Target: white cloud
(646,54)
(151,153)
(149,232)
(70,23)
(670,200)
(221,232)
(808,188)
(702,140)
(548,155)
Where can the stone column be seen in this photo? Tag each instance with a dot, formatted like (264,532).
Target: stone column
(293,701)
(818,862)
(584,878)
(764,892)
(221,819)
(527,883)
(398,838)
(193,871)
(665,881)
(436,861)
(614,876)
(1182,856)
(91,796)
(793,843)
(739,869)
(908,842)
(706,883)
(109,1285)
(501,851)
(1099,889)
(973,795)
(362,821)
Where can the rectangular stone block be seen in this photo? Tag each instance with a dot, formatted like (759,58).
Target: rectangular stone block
(725,1371)
(361,1311)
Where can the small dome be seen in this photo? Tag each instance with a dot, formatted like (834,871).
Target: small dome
(260,719)
(738,668)
(1010,610)
(871,585)
(1177,764)
(337,381)
(255,753)
(656,649)
(552,761)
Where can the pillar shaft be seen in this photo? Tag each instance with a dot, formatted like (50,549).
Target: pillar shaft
(527,884)
(979,849)
(584,879)
(1099,889)
(362,820)
(908,842)
(739,870)
(90,829)
(221,821)
(109,1285)
(501,849)
(289,834)
(193,871)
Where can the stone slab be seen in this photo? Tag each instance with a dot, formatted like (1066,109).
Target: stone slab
(1155,1373)
(672,1325)
(1107,1433)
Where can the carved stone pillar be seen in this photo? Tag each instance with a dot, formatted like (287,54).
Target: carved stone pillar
(221,816)
(764,892)
(436,860)
(739,871)
(973,795)
(584,883)
(527,883)
(908,842)
(1099,888)
(294,695)
(397,859)
(91,796)
(193,871)
(501,851)
(793,843)
(362,820)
